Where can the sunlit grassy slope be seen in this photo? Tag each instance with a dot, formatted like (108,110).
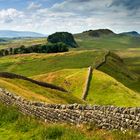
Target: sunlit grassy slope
(118,70)
(32,91)
(111,42)
(35,64)
(69,70)
(131,58)
(72,80)
(105,90)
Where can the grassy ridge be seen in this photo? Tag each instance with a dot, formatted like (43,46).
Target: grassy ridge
(15,126)
(32,91)
(107,42)
(35,64)
(131,58)
(73,80)
(120,72)
(69,70)
(105,90)
(112,84)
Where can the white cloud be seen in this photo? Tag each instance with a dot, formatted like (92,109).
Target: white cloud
(9,15)
(34,6)
(71,15)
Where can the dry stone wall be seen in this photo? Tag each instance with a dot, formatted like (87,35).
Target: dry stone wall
(102,61)
(106,117)
(43,84)
(90,70)
(87,83)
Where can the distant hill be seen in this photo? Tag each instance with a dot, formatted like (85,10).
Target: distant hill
(132,33)
(96,33)
(64,37)
(16,34)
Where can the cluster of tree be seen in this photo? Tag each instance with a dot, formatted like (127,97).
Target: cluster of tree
(46,48)
(64,37)
(2,40)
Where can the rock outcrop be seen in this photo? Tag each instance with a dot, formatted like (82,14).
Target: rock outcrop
(63,37)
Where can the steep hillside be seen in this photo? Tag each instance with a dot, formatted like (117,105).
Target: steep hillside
(73,80)
(103,89)
(131,58)
(106,90)
(118,70)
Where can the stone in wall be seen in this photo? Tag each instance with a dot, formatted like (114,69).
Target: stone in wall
(106,117)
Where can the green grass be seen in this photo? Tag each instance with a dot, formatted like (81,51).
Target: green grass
(32,91)
(73,80)
(69,70)
(107,42)
(12,43)
(35,64)
(105,90)
(131,58)
(15,126)
(121,73)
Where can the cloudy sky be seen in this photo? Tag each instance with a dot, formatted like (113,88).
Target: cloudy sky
(48,16)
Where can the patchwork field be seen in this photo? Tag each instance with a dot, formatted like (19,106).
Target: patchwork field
(13,43)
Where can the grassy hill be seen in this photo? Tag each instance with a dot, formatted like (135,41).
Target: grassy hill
(107,40)
(35,92)
(73,80)
(35,64)
(131,58)
(95,33)
(116,82)
(69,70)
(118,70)
(103,90)
(106,90)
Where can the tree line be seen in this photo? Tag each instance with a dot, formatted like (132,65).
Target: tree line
(40,48)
